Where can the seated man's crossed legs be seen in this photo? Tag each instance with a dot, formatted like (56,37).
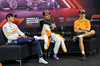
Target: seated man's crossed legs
(83,34)
(81,45)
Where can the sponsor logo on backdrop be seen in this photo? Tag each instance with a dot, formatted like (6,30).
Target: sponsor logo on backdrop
(71,19)
(61,19)
(95,17)
(30,21)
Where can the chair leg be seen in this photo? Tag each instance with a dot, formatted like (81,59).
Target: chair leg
(49,54)
(20,61)
(45,53)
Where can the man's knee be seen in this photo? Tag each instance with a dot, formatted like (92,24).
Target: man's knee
(58,39)
(36,42)
(93,32)
(81,38)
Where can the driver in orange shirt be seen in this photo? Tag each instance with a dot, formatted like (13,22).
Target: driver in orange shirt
(82,28)
(0,64)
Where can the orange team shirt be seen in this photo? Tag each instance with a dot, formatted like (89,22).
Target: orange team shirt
(84,24)
(0,64)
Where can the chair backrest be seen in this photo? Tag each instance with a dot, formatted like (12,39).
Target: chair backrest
(38,31)
(68,31)
(3,39)
(96,28)
(31,31)
(65,31)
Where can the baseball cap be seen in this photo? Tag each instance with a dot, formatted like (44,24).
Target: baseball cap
(82,11)
(10,14)
(46,12)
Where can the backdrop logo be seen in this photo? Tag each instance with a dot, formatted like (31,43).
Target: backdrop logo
(30,21)
(61,19)
(17,21)
(70,4)
(95,17)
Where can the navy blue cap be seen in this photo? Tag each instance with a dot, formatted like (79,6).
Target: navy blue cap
(10,14)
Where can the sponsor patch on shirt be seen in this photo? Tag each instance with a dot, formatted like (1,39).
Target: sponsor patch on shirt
(7,33)
(14,30)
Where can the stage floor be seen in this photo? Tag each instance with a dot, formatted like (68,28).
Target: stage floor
(65,60)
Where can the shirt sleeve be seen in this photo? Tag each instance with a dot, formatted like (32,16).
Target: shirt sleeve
(75,24)
(7,33)
(46,22)
(88,23)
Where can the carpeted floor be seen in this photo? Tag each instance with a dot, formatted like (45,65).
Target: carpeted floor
(65,60)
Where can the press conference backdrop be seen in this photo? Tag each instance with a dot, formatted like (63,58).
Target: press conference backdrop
(64,12)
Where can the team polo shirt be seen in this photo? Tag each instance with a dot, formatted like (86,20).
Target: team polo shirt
(84,24)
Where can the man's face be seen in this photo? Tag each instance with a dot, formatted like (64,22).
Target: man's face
(82,15)
(11,18)
(46,17)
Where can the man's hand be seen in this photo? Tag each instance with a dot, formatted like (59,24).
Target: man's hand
(24,36)
(85,29)
(52,26)
(76,27)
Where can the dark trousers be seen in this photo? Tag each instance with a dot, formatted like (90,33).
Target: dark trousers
(80,33)
(31,40)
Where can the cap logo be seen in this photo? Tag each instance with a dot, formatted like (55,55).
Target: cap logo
(82,10)
(47,11)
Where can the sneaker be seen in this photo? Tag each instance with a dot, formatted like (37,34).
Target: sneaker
(38,38)
(55,56)
(83,57)
(41,60)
